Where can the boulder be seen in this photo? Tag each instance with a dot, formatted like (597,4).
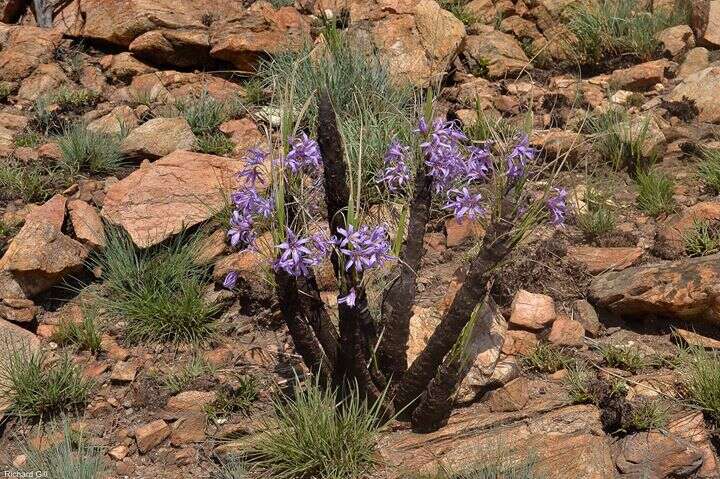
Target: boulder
(640,77)
(567,332)
(171,85)
(45,78)
(696,60)
(694,339)
(182,48)
(17,310)
(121,118)
(417,40)
(40,255)
(258,31)
(158,137)
(676,40)
(585,313)
(567,442)
(599,260)
(495,53)
(669,241)
(532,311)
(87,225)
(690,426)
(703,88)
(178,191)
(11,336)
(123,67)
(656,454)
(24,48)
(244,134)
(706,22)
(685,289)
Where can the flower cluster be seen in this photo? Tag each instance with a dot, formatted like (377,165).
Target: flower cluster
(464,204)
(518,158)
(557,207)
(363,248)
(443,156)
(300,254)
(396,171)
(304,155)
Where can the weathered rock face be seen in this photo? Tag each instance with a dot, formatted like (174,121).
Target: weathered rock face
(656,454)
(158,137)
(696,60)
(24,49)
(706,22)
(640,77)
(684,289)
(676,40)
(497,52)
(169,85)
(121,117)
(417,40)
(179,190)
(41,254)
(703,88)
(567,443)
(598,260)
(669,243)
(45,78)
(532,311)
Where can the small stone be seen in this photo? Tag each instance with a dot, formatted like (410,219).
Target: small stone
(189,428)
(566,332)
(123,372)
(190,401)
(599,260)
(511,397)
(118,452)
(532,311)
(159,137)
(585,314)
(20,460)
(459,232)
(695,339)
(113,349)
(18,310)
(519,343)
(152,434)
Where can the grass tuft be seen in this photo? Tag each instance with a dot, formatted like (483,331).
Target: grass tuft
(71,99)
(612,28)
(320,438)
(6,89)
(237,399)
(203,113)
(709,169)
(72,458)
(618,140)
(599,219)
(655,193)
(502,463)
(86,150)
(32,181)
(702,239)
(29,139)
(646,415)
(578,384)
(622,357)
(459,9)
(547,358)
(700,370)
(159,291)
(38,387)
(196,368)
(215,144)
(85,336)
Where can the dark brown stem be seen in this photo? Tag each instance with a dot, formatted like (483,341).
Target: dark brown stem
(496,246)
(306,344)
(317,316)
(399,300)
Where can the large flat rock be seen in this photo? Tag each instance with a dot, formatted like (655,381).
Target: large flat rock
(175,192)
(686,288)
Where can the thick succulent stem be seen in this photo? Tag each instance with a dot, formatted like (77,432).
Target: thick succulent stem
(399,300)
(319,320)
(306,344)
(496,246)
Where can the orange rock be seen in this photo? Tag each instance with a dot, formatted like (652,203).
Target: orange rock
(532,311)
(511,397)
(87,225)
(598,260)
(189,428)
(519,342)
(669,243)
(566,332)
(190,401)
(151,435)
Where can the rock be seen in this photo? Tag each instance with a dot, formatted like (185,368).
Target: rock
(41,254)
(170,85)
(567,442)
(244,134)
(511,397)
(17,310)
(567,332)
(181,48)
(669,241)
(640,77)
(151,435)
(498,53)
(585,314)
(258,31)
(123,372)
(459,232)
(532,311)
(519,343)
(695,339)
(24,48)
(691,427)
(417,41)
(118,452)
(655,454)
(13,335)
(707,28)
(696,60)
(189,428)
(598,260)
(684,289)
(703,88)
(178,191)
(123,67)
(87,225)
(121,118)
(676,40)
(45,78)
(159,137)
(190,401)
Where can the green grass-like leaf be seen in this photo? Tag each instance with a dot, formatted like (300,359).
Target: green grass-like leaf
(84,150)
(709,169)
(85,335)
(702,239)
(32,182)
(159,291)
(547,358)
(700,371)
(655,193)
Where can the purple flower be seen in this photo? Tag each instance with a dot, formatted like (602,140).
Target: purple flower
(465,204)
(422,128)
(519,156)
(304,154)
(364,248)
(396,172)
(230,280)
(296,256)
(557,207)
(253,160)
(478,164)
(250,203)
(349,299)
(445,164)
(241,229)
